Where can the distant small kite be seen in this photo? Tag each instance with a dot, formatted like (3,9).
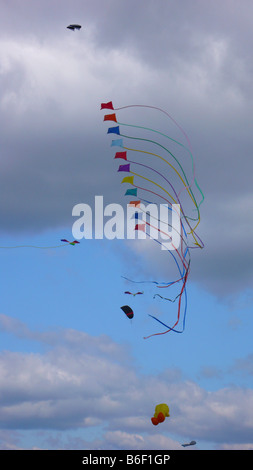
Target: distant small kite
(71,243)
(192,443)
(128,311)
(133,293)
(74,26)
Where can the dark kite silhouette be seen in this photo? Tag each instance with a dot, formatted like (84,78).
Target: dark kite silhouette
(74,26)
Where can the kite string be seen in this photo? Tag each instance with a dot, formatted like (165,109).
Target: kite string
(195,236)
(166,161)
(157,143)
(33,246)
(183,290)
(185,272)
(151,181)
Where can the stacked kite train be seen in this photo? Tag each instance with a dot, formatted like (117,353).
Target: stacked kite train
(177,189)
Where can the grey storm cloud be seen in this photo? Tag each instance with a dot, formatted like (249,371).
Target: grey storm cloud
(193,59)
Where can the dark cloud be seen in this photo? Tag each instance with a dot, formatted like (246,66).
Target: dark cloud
(194,60)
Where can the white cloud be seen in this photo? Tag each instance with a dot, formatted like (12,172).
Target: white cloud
(81,383)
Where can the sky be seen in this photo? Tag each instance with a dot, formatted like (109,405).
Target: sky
(75,372)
